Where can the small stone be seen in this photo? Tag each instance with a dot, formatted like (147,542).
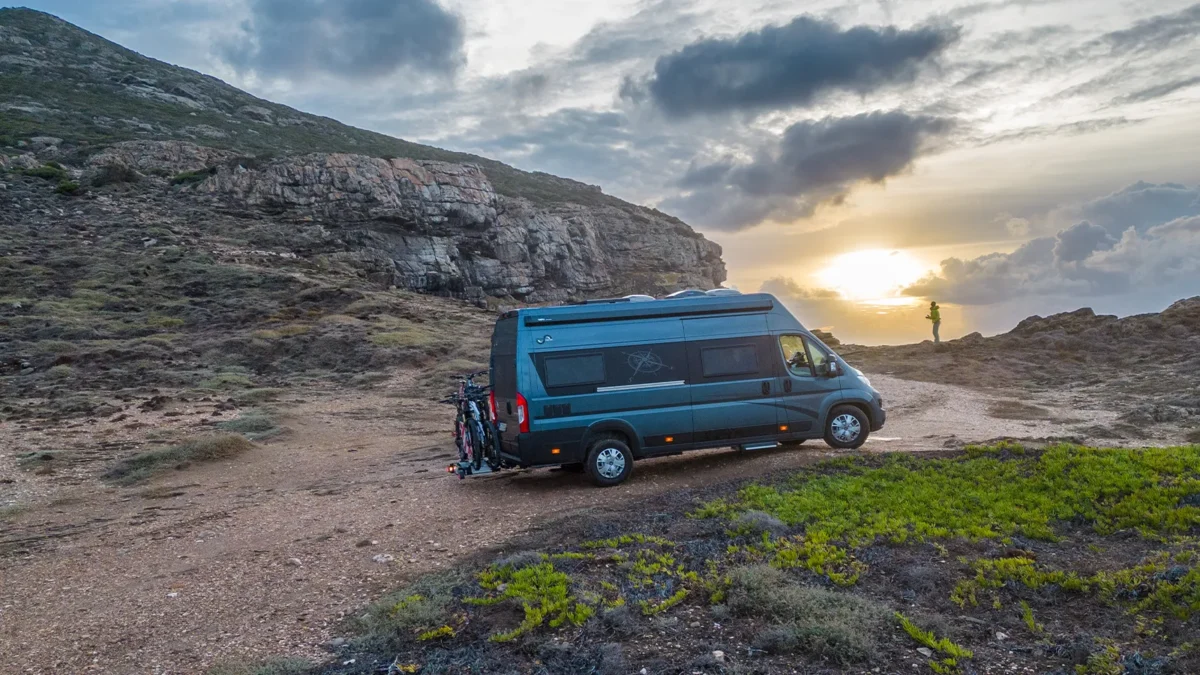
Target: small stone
(294,562)
(925,651)
(337,642)
(1002,636)
(719,656)
(383,558)
(695,624)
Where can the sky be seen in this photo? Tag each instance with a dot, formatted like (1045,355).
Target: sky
(1004,158)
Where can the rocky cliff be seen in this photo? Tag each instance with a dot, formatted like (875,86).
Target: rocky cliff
(433,226)
(406,215)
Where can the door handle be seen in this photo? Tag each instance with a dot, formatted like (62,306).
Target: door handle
(766,388)
(787,386)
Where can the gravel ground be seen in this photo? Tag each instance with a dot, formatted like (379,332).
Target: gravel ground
(265,554)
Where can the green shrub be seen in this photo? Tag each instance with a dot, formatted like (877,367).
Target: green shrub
(205,449)
(60,372)
(49,171)
(255,426)
(805,619)
(67,187)
(402,617)
(283,666)
(192,177)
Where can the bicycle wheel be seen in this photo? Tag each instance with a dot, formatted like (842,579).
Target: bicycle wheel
(491,445)
(477,444)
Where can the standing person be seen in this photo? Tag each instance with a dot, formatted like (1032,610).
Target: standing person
(935,315)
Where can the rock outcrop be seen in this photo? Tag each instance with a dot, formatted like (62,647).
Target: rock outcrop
(440,227)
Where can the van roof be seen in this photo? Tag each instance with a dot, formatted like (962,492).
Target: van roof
(623,310)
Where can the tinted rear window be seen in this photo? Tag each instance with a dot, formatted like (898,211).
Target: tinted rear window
(573,371)
(734,360)
(504,358)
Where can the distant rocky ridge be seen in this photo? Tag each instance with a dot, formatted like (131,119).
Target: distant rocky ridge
(407,215)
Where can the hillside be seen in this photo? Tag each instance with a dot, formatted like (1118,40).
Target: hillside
(63,82)
(1145,367)
(163,230)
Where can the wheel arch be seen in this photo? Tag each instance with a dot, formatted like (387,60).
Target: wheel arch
(613,426)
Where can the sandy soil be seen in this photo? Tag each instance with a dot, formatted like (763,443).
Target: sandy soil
(264,555)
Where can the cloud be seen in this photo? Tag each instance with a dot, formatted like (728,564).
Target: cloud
(791,65)
(1143,237)
(786,287)
(816,162)
(353,39)
(1159,90)
(1155,33)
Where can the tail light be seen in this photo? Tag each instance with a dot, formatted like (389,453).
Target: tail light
(522,413)
(492,406)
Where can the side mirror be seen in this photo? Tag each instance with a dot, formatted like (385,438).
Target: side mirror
(831,368)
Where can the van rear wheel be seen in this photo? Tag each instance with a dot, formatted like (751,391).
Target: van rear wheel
(847,428)
(609,462)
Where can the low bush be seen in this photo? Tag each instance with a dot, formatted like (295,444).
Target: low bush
(192,177)
(49,171)
(805,619)
(67,187)
(255,426)
(206,449)
(402,617)
(283,666)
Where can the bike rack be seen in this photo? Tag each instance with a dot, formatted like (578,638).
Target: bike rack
(464,469)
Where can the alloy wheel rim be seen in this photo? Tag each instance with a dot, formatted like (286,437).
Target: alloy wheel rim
(846,428)
(610,462)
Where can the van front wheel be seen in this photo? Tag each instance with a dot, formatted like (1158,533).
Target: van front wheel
(609,462)
(846,428)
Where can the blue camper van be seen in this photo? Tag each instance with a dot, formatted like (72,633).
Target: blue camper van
(602,384)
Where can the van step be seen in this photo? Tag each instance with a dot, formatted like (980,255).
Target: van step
(760,446)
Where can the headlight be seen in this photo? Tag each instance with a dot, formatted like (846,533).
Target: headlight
(864,379)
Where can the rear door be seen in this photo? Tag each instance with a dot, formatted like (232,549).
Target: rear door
(733,379)
(503,370)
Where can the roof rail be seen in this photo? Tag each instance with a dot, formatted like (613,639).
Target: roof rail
(630,311)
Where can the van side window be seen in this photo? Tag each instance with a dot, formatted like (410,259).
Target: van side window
(803,358)
(573,371)
(733,360)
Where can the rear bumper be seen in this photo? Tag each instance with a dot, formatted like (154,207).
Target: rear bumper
(546,448)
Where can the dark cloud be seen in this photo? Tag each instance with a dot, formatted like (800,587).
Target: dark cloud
(1081,240)
(1133,242)
(355,39)
(815,162)
(783,66)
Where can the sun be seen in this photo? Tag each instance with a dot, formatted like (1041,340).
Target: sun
(876,275)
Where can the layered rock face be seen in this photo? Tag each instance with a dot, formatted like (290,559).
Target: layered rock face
(441,228)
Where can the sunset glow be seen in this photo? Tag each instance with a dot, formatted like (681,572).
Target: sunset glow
(873,276)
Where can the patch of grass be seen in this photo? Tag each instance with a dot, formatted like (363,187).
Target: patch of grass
(67,187)
(282,666)
(227,381)
(804,619)
(541,590)
(281,332)
(192,177)
(206,449)
(1029,620)
(50,171)
(411,336)
(994,495)
(10,511)
(60,372)
(260,395)
(401,617)
(255,426)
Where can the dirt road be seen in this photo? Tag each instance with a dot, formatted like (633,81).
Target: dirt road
(265,554)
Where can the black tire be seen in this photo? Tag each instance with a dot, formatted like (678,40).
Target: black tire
(838,428)
(491,442)
(605,469)
(478,444)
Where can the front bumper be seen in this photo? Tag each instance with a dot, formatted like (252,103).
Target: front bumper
(878,414)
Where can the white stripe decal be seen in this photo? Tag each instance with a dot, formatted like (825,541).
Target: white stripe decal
(635,387)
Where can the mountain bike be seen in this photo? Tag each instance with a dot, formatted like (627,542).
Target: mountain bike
(475,433)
